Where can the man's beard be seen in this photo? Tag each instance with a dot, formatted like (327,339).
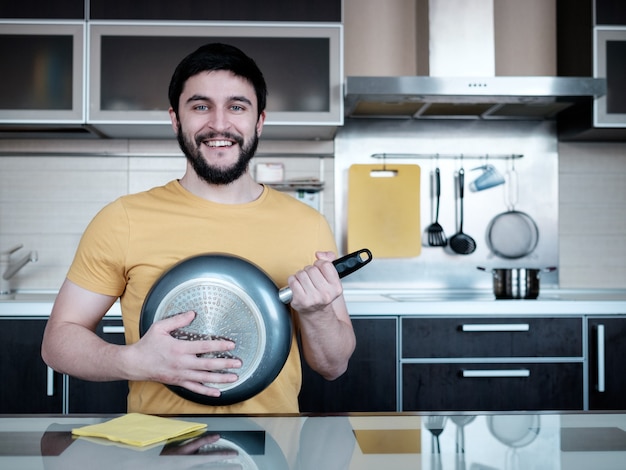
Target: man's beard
(213,174)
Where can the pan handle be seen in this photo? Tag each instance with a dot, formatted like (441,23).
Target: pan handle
(345,265)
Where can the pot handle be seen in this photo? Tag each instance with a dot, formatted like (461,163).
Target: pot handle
(345,265)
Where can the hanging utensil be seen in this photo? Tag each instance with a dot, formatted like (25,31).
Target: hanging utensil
(436,235)
(512,234)
(461,243)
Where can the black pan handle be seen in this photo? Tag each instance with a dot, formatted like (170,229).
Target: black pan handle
(345,265)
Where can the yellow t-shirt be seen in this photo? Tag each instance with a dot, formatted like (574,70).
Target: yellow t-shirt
(133,240)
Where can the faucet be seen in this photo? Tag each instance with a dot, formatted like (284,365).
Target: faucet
(10,269)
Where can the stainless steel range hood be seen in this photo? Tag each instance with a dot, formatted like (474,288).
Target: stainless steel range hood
(470,58)
(422,97)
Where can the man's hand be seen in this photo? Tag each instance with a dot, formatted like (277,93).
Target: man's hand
(315,287)
(188,364)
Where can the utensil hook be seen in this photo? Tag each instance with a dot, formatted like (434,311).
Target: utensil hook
(511,190)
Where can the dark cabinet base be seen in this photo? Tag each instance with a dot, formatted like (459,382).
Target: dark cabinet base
(442,387)
(370,381)
(612,396)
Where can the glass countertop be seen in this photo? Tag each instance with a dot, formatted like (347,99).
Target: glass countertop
(567,441)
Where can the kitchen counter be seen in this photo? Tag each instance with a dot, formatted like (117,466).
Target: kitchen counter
(363,301)
(477,302)
(340,442)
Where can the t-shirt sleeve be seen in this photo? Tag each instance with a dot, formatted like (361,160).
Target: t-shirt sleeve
(99,263)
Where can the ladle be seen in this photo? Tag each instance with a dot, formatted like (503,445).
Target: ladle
(461,243)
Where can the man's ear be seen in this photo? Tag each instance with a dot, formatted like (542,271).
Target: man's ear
(259,124)
(174,119)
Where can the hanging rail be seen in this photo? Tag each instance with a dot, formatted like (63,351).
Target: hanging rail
(459,156)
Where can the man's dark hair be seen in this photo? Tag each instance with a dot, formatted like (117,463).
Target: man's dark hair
(217,56)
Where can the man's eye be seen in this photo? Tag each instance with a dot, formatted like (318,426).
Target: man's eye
(237,107)
(201,107)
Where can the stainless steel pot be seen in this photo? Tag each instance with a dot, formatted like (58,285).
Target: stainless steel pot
(516,283)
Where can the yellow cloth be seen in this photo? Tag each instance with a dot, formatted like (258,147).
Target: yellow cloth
(139,430)
(133,240)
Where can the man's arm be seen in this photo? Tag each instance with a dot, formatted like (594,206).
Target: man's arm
(327,335)
(71,346)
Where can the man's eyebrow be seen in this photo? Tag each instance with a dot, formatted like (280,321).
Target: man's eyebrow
(241,99)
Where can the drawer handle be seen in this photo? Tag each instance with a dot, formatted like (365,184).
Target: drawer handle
(601,384)
(496,373)
(113,329)
(50,382)
(497,327)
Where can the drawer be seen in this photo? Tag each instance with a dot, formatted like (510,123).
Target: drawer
(492,387)
(465,337)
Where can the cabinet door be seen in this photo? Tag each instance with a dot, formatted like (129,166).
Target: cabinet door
(301,65)
(42,79)
(466,337)
(28,384)
(610,12)
(43,9)
(218,10)
(607,351)
(369,384)
(100,397)
(492,387)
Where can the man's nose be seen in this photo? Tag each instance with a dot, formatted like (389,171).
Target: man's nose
(218,119)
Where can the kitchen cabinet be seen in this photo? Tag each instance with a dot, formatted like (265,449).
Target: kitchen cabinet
(43,9)
(28,384)
(591,41)
(100,397)
(369,384)
(218,10)
(478,363)
(610,12)
(42,81)
(607,351)
(301,64)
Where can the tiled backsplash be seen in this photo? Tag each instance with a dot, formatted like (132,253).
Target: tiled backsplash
(46,202)
(592,215)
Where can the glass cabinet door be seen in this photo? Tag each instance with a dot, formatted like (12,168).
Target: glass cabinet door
(610,63)
(42,79)
(131,66)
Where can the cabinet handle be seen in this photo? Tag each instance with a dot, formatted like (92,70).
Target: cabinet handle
(50,382)
(496,373)
(600,333)
(497,327)
(113,329)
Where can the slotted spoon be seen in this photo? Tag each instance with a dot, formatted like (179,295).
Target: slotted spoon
(436,235)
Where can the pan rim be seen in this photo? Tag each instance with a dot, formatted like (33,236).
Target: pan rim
(264,292)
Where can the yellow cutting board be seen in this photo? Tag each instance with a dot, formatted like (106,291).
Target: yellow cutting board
(384,210)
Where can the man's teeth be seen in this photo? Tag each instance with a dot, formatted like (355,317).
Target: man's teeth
(219,143)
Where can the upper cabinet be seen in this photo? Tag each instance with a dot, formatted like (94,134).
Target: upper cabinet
(218,10)
(42,80)
(130,66)
(101,68)
(591,37)
(43,9)
(610,64)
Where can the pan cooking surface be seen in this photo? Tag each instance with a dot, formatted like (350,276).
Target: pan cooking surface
(222,310)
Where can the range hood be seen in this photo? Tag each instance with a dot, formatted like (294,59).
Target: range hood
(476,59)
(421,97)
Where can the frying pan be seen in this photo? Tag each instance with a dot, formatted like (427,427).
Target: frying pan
(234,299)
(512,234)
